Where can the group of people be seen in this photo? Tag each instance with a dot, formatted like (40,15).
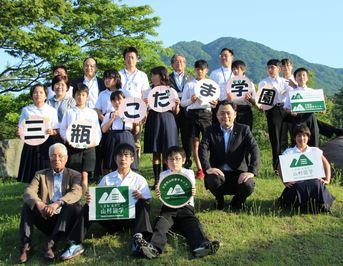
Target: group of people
(218,133)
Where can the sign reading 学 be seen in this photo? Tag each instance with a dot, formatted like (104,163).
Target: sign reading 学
(162,98)
(111,203)
(301,166)
(307,101)
(207,90)
(33,130)
(266,97)
(81,134)
(239,86)
(132,110)
(175,190)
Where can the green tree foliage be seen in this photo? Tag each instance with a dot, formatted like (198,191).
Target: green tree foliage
(43,33)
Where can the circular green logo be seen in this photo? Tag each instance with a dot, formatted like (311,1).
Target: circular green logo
(175,190)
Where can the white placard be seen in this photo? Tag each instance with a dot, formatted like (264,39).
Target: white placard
(207,90)
(239,86)
(307,101)
(132,110)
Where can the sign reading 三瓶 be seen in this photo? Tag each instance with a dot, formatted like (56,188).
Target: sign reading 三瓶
(301,166)
(207,90)
(307,101)
(239,86)
(162,98)
(175,190)
(266,97)
(33,130)
(82,134)
(132,110)
(111,203)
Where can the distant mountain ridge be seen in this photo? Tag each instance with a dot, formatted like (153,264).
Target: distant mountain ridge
(256,55)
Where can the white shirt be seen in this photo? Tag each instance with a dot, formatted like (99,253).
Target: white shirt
(187,172)
(180,80)
(117,123)
(104,102)
(58,177)
(134,84)
(51,93)
(77,114)
(227,135)
(221,76)
(281,86)
(133,180)
(187,93)
(287,104)
(295,150)
(93,87)
(45,111)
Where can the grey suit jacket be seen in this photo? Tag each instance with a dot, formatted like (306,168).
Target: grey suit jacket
(42,185)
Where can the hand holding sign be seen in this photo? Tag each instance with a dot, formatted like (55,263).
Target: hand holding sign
(162,98)
(33,131)
(239,87)
(82,134)
(207,90)
(266,97)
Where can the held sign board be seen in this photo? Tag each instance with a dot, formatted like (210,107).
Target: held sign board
(307,101)
(175,190)
(132,110)
(111,203)
(301,166)
(33,130)
(162,98)
(265,97)
(81,134)
(239,86)
(207,90)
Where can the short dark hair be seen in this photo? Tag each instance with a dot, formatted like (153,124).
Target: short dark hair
(163,73)
(58,79)
(130,49)
(54,68)
(172,59)
(116,95)
(113,73)
(301,129)
(300,69)
(90,57)
(227,49)
(32,90)
(239,64)
(286,61)
(226,102)
(202,64)
(274,62)
(173,150)
(124,148)
(80,87)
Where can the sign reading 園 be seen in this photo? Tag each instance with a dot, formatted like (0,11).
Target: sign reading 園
(111,203)
(266,97)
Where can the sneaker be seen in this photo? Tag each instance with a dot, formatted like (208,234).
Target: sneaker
(208,248)
(144,247)
(72,251)
(200,174)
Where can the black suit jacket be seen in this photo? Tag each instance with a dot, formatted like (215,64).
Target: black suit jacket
(212,149)
(101,84)
(173,83)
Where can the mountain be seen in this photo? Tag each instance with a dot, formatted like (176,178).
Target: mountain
(256,55)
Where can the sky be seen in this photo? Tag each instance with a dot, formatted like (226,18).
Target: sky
(312,30)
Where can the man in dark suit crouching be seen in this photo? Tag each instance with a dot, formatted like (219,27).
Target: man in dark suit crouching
(230,158)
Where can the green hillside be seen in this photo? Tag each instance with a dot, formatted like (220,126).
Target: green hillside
(255,55)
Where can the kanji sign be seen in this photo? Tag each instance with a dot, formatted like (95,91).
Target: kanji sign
(33,130)
(239,86)
(162,98)
(132,110)
(111,203)
(82,134)
(266,97)
(307,101)
(207,90)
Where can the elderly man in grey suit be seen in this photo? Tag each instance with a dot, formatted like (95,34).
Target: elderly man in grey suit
(233,160)
(51,203)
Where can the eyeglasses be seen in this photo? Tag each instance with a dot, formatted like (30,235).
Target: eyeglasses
(176,159)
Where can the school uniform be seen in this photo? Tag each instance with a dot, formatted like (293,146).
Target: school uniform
(181,219)
(160,131)
(35,158)
(308,195)
(134,84)
(104,102)
(82,160)
(277,126)
(221,76)
(308,119)
(198,113)
(119,132)
(141,223)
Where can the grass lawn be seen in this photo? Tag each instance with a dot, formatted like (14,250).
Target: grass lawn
(261,235)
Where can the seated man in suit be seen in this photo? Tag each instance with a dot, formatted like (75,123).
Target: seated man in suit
(51,202)
(233,158)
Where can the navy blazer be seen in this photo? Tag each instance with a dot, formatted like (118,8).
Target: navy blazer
(101,84)
(173,83)
(212,149)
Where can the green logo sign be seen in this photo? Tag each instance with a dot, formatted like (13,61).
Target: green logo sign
(302,161)
(112,203)
(297,97)
(176,190)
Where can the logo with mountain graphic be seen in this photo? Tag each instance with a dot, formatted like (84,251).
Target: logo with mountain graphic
(177,190)
(113,197)
(297,97)
(302,161)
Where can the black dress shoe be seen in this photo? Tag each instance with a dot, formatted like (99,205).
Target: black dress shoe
(24,253)
(220,203)
(48,250)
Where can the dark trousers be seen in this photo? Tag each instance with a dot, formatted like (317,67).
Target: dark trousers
(244,115)
(278,131)
(184,126)
(308,119)
(228,185)
(328,130)
(141,224)
(182,220)
(55,227)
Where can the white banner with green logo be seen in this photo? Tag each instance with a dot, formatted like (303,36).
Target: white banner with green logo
(175,190)
(307,101)
(301,166)
(111,203)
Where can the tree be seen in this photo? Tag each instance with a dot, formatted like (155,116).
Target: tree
(43,33)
